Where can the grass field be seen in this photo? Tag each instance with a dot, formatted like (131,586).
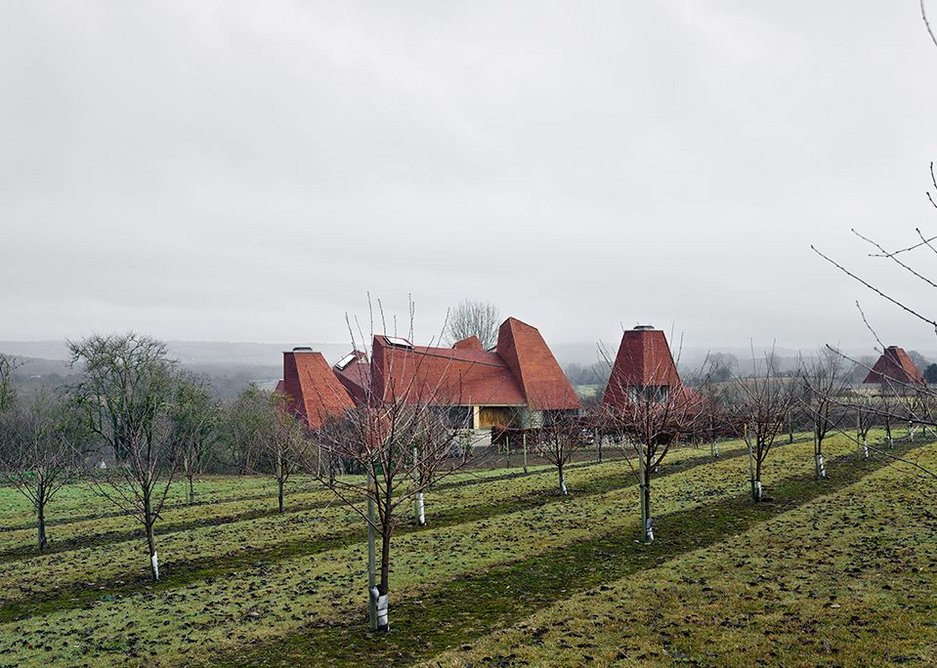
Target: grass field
(838,572)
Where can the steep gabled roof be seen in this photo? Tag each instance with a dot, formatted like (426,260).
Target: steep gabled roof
(313,389)
(444,376)
(894,366)
(543,382)
(643,359)
(354,373)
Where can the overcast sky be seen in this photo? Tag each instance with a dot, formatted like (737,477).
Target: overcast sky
(248,171)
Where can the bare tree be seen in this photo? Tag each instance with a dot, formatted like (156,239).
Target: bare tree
(393,444)
(126,397)
(649,423)
(196,418)
(246,422)
(397,437)
(473,318)
(760,406)
(825,382)
(283,446)
(557,440)
(8,365)
(42,450)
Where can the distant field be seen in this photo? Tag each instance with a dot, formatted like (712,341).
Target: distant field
(507,571)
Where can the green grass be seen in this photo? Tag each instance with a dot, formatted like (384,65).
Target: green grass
(286,589)
(845,579)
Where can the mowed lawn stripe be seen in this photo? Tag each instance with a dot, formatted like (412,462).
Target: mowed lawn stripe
(847,579)
(297,501)
(267,600)
(181,573)
(472,605)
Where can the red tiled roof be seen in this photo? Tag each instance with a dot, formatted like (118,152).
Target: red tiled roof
(894,366)
(356,376)
(643,359)
(313,389)
(521,372)
(471,343)
(445,376)
(526,353)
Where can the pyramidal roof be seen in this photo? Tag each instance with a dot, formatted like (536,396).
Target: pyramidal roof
(527,355)
(313,389)
(894,366)
(643,359)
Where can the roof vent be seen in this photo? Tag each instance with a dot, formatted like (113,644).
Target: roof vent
(643,328)
(302,349)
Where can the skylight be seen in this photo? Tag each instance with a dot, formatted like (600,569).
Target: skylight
(345,361)
(398,341)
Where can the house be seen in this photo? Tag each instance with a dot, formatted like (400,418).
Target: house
(517,384)
(644,369)
(894,371)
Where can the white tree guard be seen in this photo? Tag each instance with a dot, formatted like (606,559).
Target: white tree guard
(821,467)
(421,509)
(154,560)
(382,608)
(649,530)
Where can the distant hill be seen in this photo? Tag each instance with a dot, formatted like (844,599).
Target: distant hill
(229,366)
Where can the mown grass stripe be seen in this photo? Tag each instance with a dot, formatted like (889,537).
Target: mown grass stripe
(166,528)
(179,574)
(470,606)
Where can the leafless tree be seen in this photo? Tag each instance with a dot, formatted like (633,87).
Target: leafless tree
(42,450)
(284,446)
(393,443)
(397,439)
(126,396)
(651,420)
(8,365)
(760,405)
(196,419)
(474,318)
(266,440)
(246,422)
(557,440)
(825,381)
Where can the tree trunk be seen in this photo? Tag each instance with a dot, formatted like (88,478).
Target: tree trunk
(818,456)
(373,594)
(756,483)
(383,623)
(524,438)
(280,495)
(647,522)
(790,428)
(559,469)
(151,548)
(755,478)
(191,491)
(41,521)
